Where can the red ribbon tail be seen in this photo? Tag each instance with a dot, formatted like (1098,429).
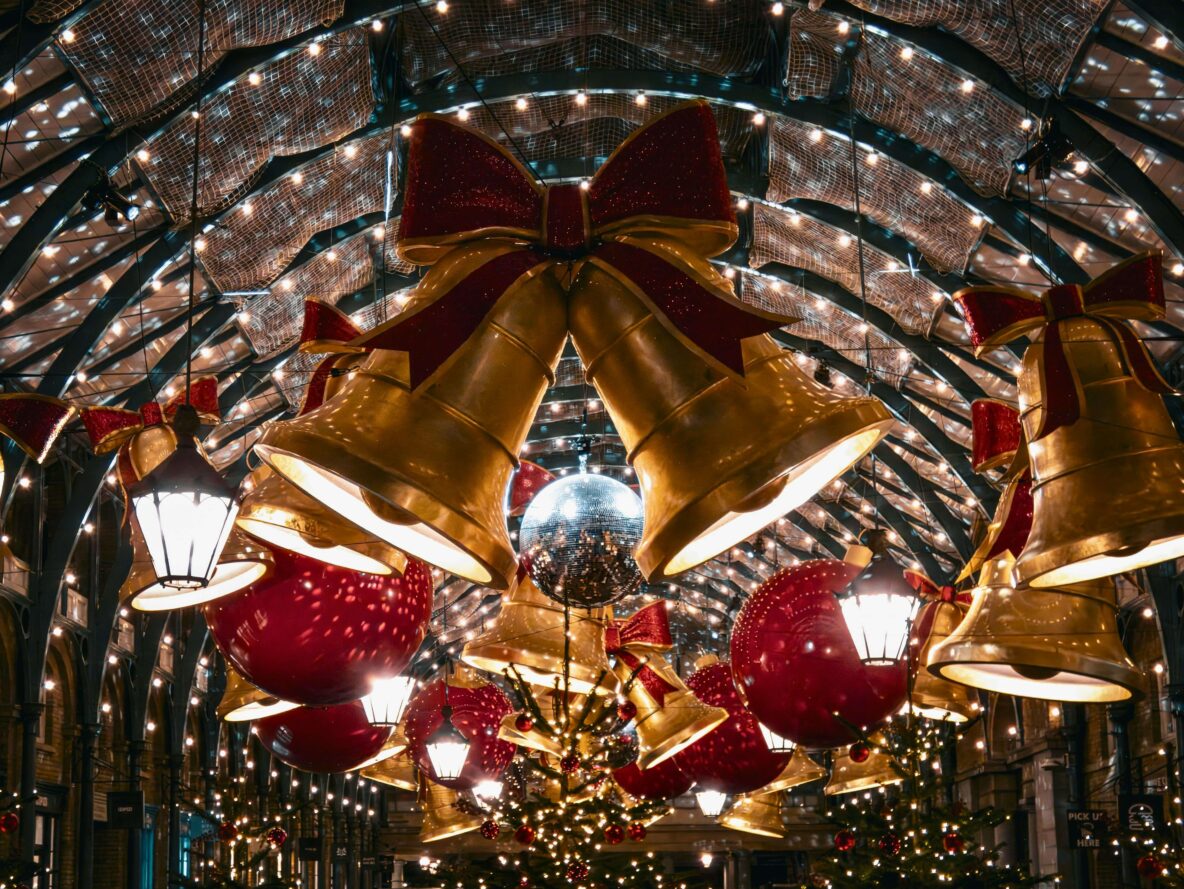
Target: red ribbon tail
(314,392)
(326,328)
(108,427)
(1013,518)
(34,422)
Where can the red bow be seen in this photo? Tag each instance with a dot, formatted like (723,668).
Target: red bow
(931,591)
(33,421)
(326,329)
(528,481)
(1132,289)
(638,643)
(996,433)
(110,427)
(666,181)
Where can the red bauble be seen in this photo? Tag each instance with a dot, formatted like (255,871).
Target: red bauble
(859,752)
(795,663)
(732,757)
(576,871)
(889,844)
(9,822)
(277,836)
(228,831)
(952,842)
(490,830)
(1149,867)
(844,841)
(322,739)
(637,831)
(569,763)
(524,835)
(614,834)
(523,723)
(524,882)
(477,711)
(664,781)
(626,710)
(317,635)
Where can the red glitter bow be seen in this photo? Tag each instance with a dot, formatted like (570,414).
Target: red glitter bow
(1132,290)
(636,642)
(326,330)
(931,591)
(33,421)
(666,181)
(528,481)
(110,427)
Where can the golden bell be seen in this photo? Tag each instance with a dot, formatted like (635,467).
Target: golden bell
(848,776)
(664,727)
(529,635)
(758,813)
(398,771)
(1059,645)
(717,459)
(934,697)
(1106,489)
(242,563)
(242,702)
(798,771)
(279,513)
(531,740)
(441,816)
(427,469)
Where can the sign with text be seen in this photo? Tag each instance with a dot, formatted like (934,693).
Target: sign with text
(1140,812)
(125,809)
(1088,828)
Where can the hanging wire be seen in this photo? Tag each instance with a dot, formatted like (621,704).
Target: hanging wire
(193,227)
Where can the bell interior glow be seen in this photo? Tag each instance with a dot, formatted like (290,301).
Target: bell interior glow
(711,802)
(447,749)
(775,742)
(259,710)
(388,699)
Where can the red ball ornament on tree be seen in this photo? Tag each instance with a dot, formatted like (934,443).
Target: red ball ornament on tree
(478,708)
(626,710)
(569,763)
(952,842)
(490,830)
(524,835)
(859,752)
(328,739)
(9,822)
(277,836)
(1149,867)
(228,831)
(315,634)
(637,831)
(844,841)
(524,882)
(664,781)
(732,757)
(790,634)
(576,871)
(523,723)
(614,834)
(889,844)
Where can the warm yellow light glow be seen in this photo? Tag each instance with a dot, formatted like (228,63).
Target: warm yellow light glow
(229,577)
(1107,564)
(1062,686)
(270,528)
(259,709)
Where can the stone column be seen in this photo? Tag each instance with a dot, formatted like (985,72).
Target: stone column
(88,734)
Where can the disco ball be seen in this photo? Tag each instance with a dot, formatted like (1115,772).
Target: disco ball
(577,539)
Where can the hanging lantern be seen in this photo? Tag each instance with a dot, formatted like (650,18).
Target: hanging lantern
(243,702)
(1055,644)
(757,813)
(447,749)
(878,606)
(775,742)
(388,699)
(488,790)
(711,802)
(185,510)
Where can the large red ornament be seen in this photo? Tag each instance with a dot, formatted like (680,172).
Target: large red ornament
(316,634)
(1149,867)
(322,739)
(953,842)
(9,822)
(637,831)
(477,711)
(490,829)
(666,780)
(859,752)
(844,841)
(732,757)
(576,871)
(614,834)
(524,835)
(796,666)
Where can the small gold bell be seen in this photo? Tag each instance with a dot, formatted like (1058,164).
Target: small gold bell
(243,702)
(848,776)
(934,697)
(442,818)
(758,813)
(800,769)
(398,771)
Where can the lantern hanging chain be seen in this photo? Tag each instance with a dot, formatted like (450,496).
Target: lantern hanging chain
(193,223)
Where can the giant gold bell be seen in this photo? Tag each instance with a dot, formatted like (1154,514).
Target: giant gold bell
(798,771)
(1060,645)
(666,726)
(398,771)
(242,702)
(848,776)
(279,513)
(1107,490)
(934,697)
(758,813)
(426,470)
(529,634)
(442,818)
(717,459)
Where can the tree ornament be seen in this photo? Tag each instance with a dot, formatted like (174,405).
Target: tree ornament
(9,822)
(576,871)
(523,723)
(524,835)
(626,710)
(889,844)
(844,841)
(1149,867)
(733,757)
(790,634)
(524,882)
(490,830)
(478,708)
(324,739)
(666,780)
(315,634)
(637,831)
(228,831)
(577,540)
(277,836)
(859,751)
(614,834)
(569,763)
(952,842)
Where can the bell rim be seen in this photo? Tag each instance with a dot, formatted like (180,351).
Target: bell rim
(680,740)
(494,658)
(1034,566)
(723,822)
(857,416)
(858,785)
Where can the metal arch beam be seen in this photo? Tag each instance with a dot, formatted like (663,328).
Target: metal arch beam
(1116,121)
(147,654)
(1164,15)
(1139,53)
(101,619)
(22,102)
(183,681)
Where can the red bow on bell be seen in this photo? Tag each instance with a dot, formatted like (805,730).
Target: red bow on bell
(638,643)
(931,591)
(33,421)
(666,181)
(110,427)
(1132,290)
(326,330)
